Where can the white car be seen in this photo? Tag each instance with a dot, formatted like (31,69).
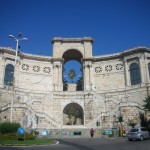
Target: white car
(138,134)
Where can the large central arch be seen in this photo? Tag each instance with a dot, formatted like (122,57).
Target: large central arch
(72,58)
(72,54)
(77,49)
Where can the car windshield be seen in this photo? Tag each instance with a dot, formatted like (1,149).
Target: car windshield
(134,130)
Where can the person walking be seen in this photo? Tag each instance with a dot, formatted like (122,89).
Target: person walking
(92,133)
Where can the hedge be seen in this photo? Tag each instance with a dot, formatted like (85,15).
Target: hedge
(15,136)
(9,127)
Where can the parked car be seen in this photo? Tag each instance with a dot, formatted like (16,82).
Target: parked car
(138,134)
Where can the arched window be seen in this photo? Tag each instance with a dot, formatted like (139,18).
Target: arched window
(9,75)
(135,74)
(149,69)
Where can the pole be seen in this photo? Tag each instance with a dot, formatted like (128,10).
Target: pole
(12,102)
(13,93)
(17,44)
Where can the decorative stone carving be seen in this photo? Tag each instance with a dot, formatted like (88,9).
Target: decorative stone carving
(36,68)
(25,67)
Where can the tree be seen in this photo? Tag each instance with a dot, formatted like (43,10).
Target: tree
(147,103)
(143,120)
(64,84)
(132,122)
(72,74)
(80,84)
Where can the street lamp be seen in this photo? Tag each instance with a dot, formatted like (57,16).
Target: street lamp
(13,94)
(17,43)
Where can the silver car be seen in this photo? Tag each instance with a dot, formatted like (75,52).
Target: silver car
(138,134)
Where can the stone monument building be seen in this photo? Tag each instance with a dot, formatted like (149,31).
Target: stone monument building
(113,86)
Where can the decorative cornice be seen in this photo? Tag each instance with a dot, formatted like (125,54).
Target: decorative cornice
(119,55)
(72,40)
(122,54)
(11,51)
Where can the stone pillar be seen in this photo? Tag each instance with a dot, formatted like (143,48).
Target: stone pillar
(87,75)
(142,69)
(2,71)
(57,76)
(147,70)
(87,47)
(127,73)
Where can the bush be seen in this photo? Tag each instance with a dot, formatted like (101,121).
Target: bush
(8,136)
(110,135)
(15,136)
(9,127)
(27,136)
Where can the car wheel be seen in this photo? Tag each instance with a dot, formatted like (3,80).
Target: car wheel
(129,139)
(141,138)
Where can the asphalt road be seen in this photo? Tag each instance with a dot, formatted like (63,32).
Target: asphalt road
(87,144)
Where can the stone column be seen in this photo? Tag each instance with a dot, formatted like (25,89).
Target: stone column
(3,71)
(87,75)
(147,70)
(142,68)
(127,73)
(57,76)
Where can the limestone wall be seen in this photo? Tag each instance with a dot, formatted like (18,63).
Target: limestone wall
(108,75)
(39,100)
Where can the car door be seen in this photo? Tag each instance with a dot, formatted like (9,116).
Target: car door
(145,133)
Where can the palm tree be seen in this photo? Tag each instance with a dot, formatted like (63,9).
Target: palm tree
(72,74)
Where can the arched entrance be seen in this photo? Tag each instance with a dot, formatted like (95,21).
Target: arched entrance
(72,62)
(78,49)
(73,114)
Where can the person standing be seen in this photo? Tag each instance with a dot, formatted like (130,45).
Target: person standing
(92,133)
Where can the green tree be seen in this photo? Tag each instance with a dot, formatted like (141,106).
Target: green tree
(147,103)
(80,84)
(64,84)
(71,74)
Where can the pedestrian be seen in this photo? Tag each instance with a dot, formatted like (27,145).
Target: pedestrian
(92,133)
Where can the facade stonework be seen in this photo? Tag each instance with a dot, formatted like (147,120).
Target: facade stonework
(36,98)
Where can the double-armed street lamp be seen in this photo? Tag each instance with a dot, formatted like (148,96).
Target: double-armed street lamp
(16,50)
(17,43)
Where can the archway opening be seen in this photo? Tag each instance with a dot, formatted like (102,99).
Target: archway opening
(73,114)
(72,69)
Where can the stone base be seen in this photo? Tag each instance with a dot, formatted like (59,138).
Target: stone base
(72,87)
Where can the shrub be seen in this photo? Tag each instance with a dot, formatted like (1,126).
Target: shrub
(110,135)
(8,136)
(15,136)
(27,136)
(9,127)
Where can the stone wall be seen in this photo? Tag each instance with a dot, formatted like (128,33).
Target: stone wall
(38,96)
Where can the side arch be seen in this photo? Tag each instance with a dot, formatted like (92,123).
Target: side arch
(73,114)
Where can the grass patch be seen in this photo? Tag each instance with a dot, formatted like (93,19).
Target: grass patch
(27,142)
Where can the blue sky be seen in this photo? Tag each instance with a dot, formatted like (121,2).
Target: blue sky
(115,25)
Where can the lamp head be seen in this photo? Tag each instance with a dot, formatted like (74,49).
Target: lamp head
(25,39)
(20,34)
(11,36)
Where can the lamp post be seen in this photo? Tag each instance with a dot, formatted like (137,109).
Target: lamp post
(16,50)
(17,43)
